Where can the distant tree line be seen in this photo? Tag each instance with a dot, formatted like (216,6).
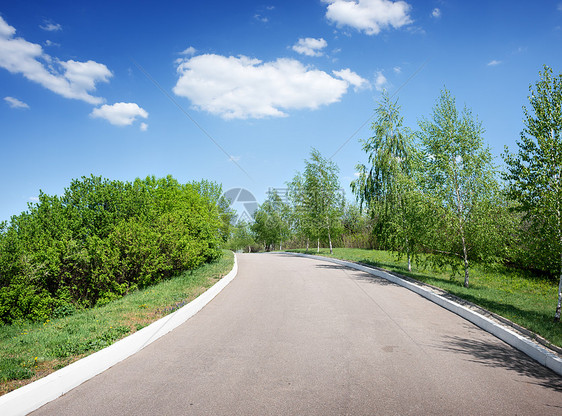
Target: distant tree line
(103,238)
(435,194)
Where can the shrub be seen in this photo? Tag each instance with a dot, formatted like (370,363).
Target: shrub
(102,239)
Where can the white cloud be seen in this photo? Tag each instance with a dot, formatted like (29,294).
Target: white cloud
(397,70)
(436,13)
(261,18)
(15,103)
(241,87)
(50,43)
(380,81)
(143,126)
(369,16)
(189,51)
(494,62)
(352,78)
(6,31)
(559,7)
(50,26)
(310,46)
(71,79)
(120,114)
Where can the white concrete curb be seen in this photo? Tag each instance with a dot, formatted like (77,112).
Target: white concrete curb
(34,395)
(533,350)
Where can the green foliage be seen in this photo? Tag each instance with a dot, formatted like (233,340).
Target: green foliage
(316,200)
(242,238)
(459,177)
(534,176)
(102,239)
(388,186)
(271,222)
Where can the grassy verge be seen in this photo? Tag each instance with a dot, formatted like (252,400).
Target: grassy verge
(526,300)
(29,351)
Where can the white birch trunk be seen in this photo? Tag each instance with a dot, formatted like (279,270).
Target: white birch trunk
(559,305)
(465,258)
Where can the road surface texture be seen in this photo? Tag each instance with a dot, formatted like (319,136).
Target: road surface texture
(298,336)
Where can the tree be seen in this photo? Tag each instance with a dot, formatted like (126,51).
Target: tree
(534,173)
(271,225)
(459,176)
(322,198)
(299,219)
(241,237)
(388,185)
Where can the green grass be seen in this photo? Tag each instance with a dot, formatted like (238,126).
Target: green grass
(29,351)
(527,300)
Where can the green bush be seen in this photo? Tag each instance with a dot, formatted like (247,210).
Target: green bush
(102,239)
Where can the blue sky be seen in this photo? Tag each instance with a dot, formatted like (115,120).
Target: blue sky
(238,92)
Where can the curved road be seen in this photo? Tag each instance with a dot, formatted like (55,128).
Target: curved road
(297,336)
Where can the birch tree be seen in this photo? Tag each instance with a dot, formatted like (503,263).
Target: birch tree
(459,175)
(271,226)
(534,173)
(322,197)
(387,186)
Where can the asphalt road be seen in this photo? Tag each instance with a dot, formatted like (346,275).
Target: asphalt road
(296,336)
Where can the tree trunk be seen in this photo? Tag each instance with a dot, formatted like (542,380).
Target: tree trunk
(559,305)
(249,249)
(318,250)
(330,238)
(465,258)
(307,241)
(409,261)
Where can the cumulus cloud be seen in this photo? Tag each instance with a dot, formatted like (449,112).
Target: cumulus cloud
(120,114)
(494,62)
(242,87)
(71,79)
(380,81)
(143,126)
(369,16)
(15,103)
(436,13)
(6,31)
(310,46)
(352,78)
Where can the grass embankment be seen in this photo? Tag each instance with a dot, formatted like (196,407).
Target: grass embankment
(29,351)
(527,300)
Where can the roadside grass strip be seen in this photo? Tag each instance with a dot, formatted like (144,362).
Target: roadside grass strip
(32,351)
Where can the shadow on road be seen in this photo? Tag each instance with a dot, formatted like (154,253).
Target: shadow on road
(358,275)
(503,356)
